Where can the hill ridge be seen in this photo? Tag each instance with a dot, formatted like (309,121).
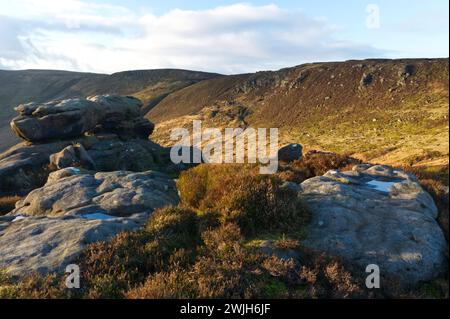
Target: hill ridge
(386,110)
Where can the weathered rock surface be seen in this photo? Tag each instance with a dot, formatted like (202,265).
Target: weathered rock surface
(74,117)
(290,153)
(103,133)
(132,155)
(376,215)
(45,244)
(72,191)
(72,156)
(52,225)
(55,120)
(25,167)
(122,115)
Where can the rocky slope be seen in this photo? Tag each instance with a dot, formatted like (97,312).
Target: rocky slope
(150,86)
(388,111)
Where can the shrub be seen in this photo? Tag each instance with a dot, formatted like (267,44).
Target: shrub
(175,227)
(196,183)
(315,163)
(223,270)
(110,268)
(107,268)
(286,243)
(34,286)
(257,203)
(327,277)
(164,285)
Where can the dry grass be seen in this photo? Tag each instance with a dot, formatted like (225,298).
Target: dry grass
(315,163)
(224,269)
(257,203)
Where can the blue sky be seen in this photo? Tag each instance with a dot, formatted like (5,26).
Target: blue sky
(222,36)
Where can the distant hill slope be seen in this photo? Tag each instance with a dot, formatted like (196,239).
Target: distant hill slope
(43,85)
(391,111)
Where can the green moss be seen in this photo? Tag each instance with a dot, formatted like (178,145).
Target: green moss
(436,289)
(275,289)
(4,277)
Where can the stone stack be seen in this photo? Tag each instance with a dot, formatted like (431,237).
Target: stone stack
(89,170)
(101,133)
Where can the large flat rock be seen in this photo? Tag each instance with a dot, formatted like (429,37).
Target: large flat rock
(72,191)
(51,226)
(376,215)
(47,244)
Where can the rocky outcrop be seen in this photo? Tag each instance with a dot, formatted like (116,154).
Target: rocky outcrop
(26,166)
(76,192)
(72,156)
(51,226)
(95,181)
(122,115)
(376,215)
(112,154)
(47,244)
(55,120)
(74,117)
(102,133)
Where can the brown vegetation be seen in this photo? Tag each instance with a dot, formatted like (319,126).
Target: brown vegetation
(201,249)
(397,117)
(315,163)
(257,203)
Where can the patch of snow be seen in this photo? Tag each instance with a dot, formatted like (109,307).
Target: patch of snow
(380,186)
(20,217)
(75,170)
(97,216)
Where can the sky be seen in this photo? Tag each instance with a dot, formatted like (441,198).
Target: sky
(107,36)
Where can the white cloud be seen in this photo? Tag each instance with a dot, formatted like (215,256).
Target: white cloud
(82,36)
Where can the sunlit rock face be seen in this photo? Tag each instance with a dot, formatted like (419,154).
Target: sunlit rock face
(52,225)
(100,133)
(75,117)
(376,215)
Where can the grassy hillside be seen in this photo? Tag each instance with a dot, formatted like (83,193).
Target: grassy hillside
(42,85)
(390,111)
